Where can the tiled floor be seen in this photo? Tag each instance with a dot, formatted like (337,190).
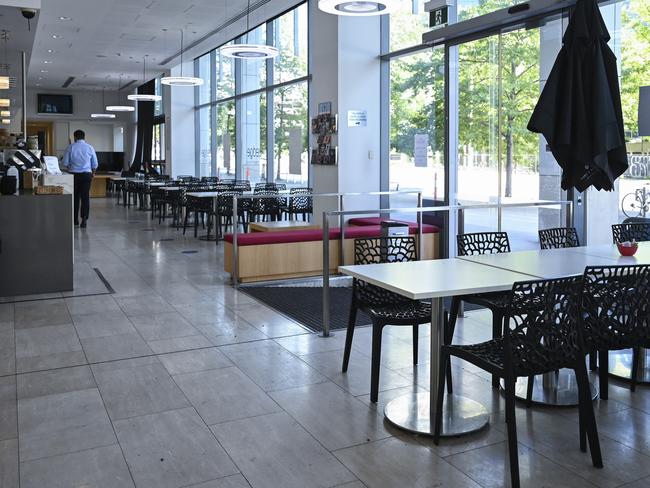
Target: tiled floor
(178,380)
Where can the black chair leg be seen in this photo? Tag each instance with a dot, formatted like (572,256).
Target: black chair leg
(375,361)
(497,332)
(349,335)
(512,433)
(529,391)
(589,419)
(635,368)
(449,336)
(603,374)
(416,332)
(593,361)
(185,222)
(445,361)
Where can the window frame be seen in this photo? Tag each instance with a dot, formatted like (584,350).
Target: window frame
(268,90)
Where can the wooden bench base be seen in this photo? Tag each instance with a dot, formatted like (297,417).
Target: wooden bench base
(268,262)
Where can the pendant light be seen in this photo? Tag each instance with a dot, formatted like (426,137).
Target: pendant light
(181,80)
(120,108)
(249,51)
(144,97)
(358,8)
(4,80)
(102,115)
(5,113)
(5,102)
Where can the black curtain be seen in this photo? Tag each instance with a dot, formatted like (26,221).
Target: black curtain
(144,139)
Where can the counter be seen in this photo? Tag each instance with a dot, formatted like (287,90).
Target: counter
(36,244)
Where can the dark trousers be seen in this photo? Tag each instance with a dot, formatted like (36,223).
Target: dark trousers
(82,183)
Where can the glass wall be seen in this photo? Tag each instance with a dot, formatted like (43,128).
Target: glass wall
(259,108)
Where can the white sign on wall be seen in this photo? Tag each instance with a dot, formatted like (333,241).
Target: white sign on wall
(357,118)
(420,150)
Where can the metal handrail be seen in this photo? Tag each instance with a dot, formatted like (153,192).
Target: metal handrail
(235,250)
(419,211)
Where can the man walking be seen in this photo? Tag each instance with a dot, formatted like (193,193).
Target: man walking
(80,159)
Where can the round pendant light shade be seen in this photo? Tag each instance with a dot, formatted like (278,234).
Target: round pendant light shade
(120,108)
(249,51)
(138,97)
(4,102)
(358,8)
(102,116)
(4,82)
(6,121)
(181,81)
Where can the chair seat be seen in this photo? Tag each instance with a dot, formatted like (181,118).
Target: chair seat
(408,313)
(494,301)
(487,355)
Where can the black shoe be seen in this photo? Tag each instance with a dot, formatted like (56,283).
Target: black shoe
(83,224)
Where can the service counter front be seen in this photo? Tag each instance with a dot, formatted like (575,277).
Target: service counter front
(36,244)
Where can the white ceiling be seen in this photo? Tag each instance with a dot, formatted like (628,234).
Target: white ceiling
(108,38)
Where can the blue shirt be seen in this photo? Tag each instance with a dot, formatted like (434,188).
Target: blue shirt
(80,157)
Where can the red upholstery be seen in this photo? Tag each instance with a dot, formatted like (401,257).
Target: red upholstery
(370,221)
(259,238)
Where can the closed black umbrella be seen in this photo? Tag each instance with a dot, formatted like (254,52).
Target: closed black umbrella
(579,111)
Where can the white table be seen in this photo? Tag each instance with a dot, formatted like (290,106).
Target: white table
(434,280)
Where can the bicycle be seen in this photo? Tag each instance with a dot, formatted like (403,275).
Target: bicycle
(637,203)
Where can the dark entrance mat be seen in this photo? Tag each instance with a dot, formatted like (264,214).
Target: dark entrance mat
(304,304)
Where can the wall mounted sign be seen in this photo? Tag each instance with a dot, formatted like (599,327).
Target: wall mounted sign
(325,108)
(357,118)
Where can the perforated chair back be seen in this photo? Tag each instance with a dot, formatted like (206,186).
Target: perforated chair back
(559,238)
(381,250)
(482,243)
(633,231)
(615,306)
(542,332)
(301,200)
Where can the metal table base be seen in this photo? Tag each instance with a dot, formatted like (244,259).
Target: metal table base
(208,237)
(555,389)
(415,413)
(620,365)
(460,415)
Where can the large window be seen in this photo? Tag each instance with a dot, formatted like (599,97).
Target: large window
(253,116)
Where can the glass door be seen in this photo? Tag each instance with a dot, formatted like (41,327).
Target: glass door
(498,160)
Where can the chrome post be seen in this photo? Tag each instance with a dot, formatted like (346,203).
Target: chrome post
(326,276)
(569,215)
(419,220)
(235,251)
(437,340)
(341,224)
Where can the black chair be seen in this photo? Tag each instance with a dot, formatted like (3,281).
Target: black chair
(542,334)
(471,245)
(243,185)
(382,306)
(559,238)
(615,311)
(225,206)
(300,203)
(201,208)
(266,206)
(632,231)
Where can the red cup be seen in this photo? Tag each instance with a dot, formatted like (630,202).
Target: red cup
(629,250)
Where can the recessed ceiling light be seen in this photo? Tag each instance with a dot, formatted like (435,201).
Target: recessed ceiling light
(120,108)
(57,36)
(44,71)
(102,116)
(65,18)
(51,51)
(47,62)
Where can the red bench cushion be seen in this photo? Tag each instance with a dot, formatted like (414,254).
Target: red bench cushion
(259,238)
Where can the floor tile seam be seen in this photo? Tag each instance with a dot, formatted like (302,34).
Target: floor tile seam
(193,485)
(402,438)
(74,451)
(108,417)
(187,373)
(17,425)
(208,427)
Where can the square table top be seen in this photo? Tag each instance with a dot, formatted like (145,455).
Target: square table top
(435,278)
